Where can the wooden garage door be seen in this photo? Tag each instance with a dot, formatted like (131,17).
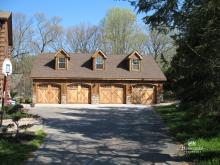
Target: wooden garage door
(78,94)
(111,94)
(48,93)
(142,94)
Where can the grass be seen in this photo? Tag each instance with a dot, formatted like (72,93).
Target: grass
(13,151)
(199,131)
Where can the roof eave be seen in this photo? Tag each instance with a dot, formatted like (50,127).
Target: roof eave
(81,78)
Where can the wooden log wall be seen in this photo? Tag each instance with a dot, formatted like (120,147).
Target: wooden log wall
(94,85)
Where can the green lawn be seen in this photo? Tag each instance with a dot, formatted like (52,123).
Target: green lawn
(13,151)
(199,131)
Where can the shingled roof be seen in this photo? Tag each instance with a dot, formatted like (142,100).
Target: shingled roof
(80,67)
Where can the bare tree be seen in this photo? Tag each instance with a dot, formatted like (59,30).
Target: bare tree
(82,38)
(161,46)
(48,31)
(59,41)
(22,35)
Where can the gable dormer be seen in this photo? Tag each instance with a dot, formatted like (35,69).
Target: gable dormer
(61,59)
(135,61)
(98,60)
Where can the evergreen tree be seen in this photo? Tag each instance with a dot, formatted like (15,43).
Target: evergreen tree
(197,62)
(195,69)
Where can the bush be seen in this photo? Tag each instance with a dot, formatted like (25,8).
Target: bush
(8,108)
(13,94)
(24,100)
(169,96)
(13,109)
(28,100)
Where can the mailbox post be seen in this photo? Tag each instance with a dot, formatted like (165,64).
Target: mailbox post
(6,70)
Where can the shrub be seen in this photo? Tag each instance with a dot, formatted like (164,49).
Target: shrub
(25,126)
(13,109)
(16,119)
(13,94)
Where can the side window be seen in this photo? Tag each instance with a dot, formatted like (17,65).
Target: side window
(62,63)
(135,64)
(99,62)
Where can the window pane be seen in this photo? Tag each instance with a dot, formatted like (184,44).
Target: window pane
(99,66)
(136,61)
(135,64)
(99,60)
(62,65)
(61,59)
(62,62)
(135,67)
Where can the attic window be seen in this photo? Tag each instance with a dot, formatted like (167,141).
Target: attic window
(62,63)
(99,62)
(135,64)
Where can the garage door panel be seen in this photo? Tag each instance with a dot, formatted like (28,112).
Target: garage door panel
(48,93)
(111,94)
(84,95)
(54,93)
(41,93)
(78,94)
(142,94)
(72,95)
(117,96)
(105,95)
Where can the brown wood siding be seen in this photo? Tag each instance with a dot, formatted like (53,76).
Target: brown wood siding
(115,91)
(111,94)
(142,94)
(48,93)
(78,94)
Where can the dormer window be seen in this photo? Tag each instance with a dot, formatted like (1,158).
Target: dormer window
(62,63)
(135,64)
(134,60)
(99,62)
(61,59)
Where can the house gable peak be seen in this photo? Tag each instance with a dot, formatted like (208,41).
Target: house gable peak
(135,54)
(98,60)
(61,59)
(98,53)
(62,52)
(134,61)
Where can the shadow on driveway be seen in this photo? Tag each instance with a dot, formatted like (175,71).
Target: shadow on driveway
(104,135)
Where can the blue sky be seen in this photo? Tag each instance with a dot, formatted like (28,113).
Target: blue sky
(72,11)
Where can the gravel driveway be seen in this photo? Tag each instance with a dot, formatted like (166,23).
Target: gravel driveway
(103,134)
